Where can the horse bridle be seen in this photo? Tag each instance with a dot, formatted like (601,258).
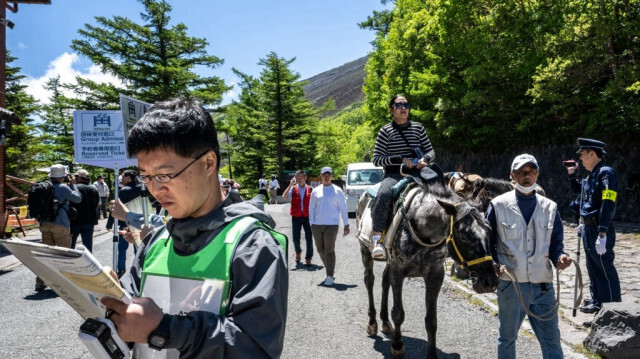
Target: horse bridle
(449,238)
(463,263)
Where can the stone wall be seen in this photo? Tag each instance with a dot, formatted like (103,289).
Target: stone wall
(553,176)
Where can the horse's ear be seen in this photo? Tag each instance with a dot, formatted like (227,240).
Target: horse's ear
(449,207)
(479,185)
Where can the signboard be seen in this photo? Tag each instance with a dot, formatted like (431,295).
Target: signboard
(99,139)
(132,111)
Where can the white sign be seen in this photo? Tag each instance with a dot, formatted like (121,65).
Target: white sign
(132,111)
(99,139)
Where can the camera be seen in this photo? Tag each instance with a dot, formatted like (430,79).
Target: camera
(569,163)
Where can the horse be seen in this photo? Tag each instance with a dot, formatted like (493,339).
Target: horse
(433,220)
(461,183)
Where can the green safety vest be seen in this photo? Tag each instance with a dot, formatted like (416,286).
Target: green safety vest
(211,263)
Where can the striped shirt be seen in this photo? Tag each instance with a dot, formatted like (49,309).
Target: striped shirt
(395,142)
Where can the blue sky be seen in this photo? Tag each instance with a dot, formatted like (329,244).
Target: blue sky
(320,34)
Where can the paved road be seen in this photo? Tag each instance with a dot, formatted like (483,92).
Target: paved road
(323,322)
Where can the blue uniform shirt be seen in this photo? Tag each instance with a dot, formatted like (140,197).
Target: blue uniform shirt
(598,194)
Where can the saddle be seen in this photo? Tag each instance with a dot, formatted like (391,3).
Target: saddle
(406,191)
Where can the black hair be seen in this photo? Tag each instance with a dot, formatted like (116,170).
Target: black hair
(394,98)
(180,124)
(299,172)
(132,174)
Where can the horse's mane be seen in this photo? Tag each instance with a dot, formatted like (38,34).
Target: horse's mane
(439,190)
(497,186)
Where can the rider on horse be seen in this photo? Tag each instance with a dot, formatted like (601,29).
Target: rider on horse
(400,142)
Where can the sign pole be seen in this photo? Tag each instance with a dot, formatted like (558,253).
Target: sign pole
(115,223)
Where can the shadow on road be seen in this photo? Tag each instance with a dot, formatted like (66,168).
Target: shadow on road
(413,347)
(45,294)
(3,272)
(310,268)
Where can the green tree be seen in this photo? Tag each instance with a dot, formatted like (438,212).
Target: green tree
(154,60)
(57,125)
(290,126)
(247,125)
(23,150)
(497,74)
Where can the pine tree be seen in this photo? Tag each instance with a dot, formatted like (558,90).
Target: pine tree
(57,125)
(154,60)
(290,126)
(23,151)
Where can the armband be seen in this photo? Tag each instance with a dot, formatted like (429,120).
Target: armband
(608,194)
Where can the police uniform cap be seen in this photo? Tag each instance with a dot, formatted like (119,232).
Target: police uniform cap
(591,144)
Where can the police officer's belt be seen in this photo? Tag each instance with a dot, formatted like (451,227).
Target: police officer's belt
(590,221)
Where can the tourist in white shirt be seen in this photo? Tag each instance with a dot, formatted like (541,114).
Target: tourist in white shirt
(274,186)
(327,205)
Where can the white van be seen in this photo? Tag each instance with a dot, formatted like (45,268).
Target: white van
(358,177)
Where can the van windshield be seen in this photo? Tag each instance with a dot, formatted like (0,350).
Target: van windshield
(365,177)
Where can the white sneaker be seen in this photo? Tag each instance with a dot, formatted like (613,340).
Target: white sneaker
(378,251)
(328,281)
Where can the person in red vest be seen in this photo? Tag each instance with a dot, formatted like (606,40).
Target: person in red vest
(300,194)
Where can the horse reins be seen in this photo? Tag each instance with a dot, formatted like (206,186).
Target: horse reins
(552,312)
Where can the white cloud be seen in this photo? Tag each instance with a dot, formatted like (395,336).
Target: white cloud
(22,46)
(230,95)
(63,66)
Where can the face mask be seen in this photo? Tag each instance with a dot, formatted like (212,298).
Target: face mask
(525,190)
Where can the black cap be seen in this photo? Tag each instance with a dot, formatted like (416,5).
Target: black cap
(591,144)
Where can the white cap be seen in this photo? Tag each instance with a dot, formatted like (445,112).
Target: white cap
(326,169)
(58,171)
(522,160)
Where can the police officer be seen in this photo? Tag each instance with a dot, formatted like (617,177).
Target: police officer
(596,205)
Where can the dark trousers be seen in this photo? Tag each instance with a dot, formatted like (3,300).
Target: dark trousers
(381,206)
(86,233)
(264,193)
(605,284)
(297,223)
(103,207)
(123,245)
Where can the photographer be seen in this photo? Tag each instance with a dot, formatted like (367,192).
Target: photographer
(57,232)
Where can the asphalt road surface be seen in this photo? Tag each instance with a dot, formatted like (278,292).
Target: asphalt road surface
(323,322)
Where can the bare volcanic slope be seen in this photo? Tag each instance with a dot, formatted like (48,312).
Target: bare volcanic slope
(343,84)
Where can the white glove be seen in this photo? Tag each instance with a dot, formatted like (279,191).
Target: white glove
(579,230)
(601,245)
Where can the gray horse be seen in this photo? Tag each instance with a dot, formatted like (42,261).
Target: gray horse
(434,219)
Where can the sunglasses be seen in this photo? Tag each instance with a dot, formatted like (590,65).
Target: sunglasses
(399,105)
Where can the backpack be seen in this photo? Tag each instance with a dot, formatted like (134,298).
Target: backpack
(41,201)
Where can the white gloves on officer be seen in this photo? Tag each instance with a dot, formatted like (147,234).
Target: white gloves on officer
(579,229)
(601,245)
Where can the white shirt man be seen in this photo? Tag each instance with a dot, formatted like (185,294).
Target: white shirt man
(327,205)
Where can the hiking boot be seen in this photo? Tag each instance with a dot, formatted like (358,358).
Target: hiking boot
(328,281)
(378,251)
(297,257)
(589,308)
(307,261)
(40,287)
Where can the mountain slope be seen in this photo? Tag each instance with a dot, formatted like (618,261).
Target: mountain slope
(343,84)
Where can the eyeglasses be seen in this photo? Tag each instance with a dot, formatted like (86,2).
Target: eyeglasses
(399,105)
(166,178)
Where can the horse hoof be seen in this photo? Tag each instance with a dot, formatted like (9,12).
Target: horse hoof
(387,328)
(372,329)
(397,353)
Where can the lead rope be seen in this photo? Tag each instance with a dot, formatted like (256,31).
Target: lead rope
(552,312)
